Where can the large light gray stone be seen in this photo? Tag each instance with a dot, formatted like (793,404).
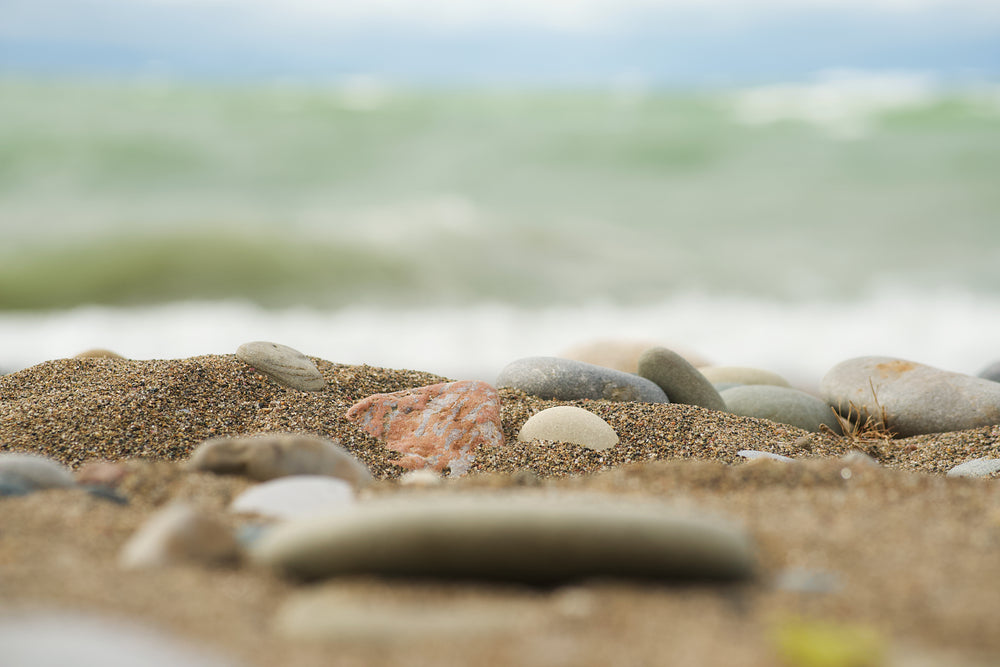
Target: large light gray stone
(282,364)
(917,398)
(984,467)
(780,404)
(271,455)
(536,539)
(567,423)
(295,496)
(678,379)
(567,380)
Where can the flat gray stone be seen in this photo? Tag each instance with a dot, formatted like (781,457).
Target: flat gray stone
(179,533)
(271,455)
(975,468)
(567,423)
(567,380)
(780,404)
(742,375)
(753,454)
(917,398)
(295,496)
(34,473)
(991,372)
(678,379)
(282,364)
(526,538)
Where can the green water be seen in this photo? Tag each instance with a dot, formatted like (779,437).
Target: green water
(129,193)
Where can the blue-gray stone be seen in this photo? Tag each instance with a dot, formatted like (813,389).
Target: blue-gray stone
(34,472)
(780,404)
(916,398)
(567,380)
(678,379)
(975,468)
(991,372)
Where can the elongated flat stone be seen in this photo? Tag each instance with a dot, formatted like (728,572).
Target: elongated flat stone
(567,380)
(524,538)
(282,364)
(271,455)
(438,426)
(678,379)
(975,468)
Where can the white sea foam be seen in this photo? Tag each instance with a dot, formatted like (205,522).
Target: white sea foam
(951,330)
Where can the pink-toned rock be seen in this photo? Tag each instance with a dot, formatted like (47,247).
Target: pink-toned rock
(102,473)
(438,426)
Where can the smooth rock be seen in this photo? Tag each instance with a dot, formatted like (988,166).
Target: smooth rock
(271,455)
(344,616)
(34,472)
(567,380)
(984,467)
(51,638)
(917,399)
(991,372)
(526,538)
(753,454)
(567,423)
(742,375)
(438,426)
(178,534)
(678,379)
(102,473)
(14,485)
(420,477)
(282,364)
(295,496)
(622,355)
(860,459)
(782,405)
(98,353)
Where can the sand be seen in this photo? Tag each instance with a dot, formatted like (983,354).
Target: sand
(898,554)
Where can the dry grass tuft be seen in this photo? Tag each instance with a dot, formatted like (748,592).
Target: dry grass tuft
(864,431)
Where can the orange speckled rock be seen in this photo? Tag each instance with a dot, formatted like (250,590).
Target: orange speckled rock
(438,426)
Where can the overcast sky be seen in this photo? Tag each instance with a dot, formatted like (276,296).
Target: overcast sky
(549,41)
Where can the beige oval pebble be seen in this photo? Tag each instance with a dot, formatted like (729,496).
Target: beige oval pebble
(742,375)
(271,455)
(567,423)
(283,364)
(98,353)
(179,533)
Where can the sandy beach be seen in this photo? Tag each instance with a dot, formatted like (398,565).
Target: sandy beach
(893,562)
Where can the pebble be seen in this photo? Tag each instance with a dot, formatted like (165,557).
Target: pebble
(295,496)
(780,404)
(622,355)
(991,372)
(102,473)
(567,423)
(339,616)
(678,379)
(975,468)
(742,375)
(753,454)
(178,534)
(282,364)
(32,473)
(525,538)
(46,638)
(859,458)
(917,399)
(271,455)
(438,426)
(567,380)
(98,353)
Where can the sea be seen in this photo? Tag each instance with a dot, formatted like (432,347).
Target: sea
(787,226)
